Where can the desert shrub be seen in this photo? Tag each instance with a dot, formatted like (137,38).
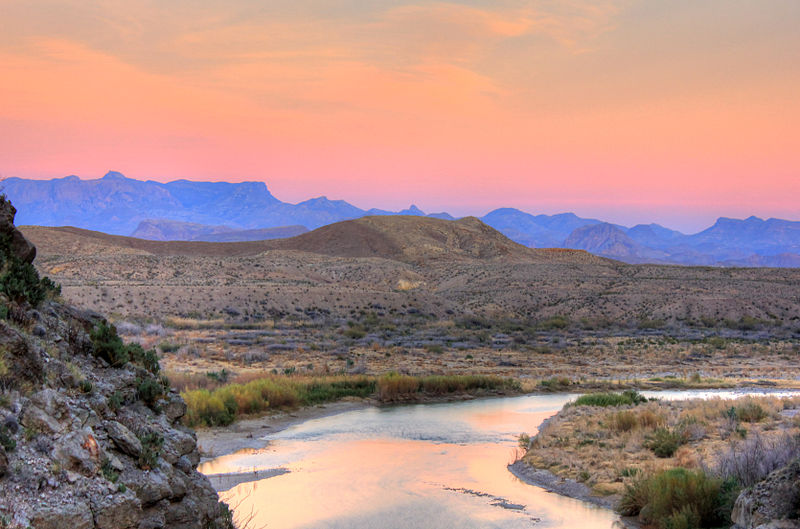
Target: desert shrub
(749,461)
(664,442)
(168,347)
(623,421)
(626,398)
(750,411)
(205,409)
(555,383)
(6,441)
(115,401)
(108,345)
(148,359)
(676,498)
(152,442)
(19,280)
(150,390)
(649,419)
(392,386)
(553,323)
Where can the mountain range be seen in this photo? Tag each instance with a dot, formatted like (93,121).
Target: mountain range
(221,211)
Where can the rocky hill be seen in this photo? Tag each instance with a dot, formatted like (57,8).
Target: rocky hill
(90,433)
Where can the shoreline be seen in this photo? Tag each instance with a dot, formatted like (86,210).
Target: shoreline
(249,433)
(566,487)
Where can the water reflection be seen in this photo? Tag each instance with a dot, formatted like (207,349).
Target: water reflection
(424,466)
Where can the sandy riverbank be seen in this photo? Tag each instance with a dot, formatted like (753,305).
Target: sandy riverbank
(566,487)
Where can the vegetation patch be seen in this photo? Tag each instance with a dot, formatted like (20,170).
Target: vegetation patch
(626,398)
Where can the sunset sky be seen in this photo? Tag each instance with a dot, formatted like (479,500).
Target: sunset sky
(674,111)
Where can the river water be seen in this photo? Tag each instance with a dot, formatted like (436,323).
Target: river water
(406,467)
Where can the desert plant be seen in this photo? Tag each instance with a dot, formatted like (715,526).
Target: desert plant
(626,398)
(152,442)
(675,498)
(664,442)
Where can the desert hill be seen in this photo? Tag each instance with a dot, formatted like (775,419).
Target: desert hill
(401,238)
(414,265)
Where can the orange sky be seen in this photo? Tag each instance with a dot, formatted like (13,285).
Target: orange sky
(674,111)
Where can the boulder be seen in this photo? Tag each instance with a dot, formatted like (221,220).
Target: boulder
(37,419)
(117,511)
(125,440)
(20,246)
(774,500)
(76,515)
(79,451)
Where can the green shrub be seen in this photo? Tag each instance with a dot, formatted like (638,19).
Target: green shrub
(665,441)
(676,499)
(750,411)
(115,401)
(108,345)
(147,359)
(152,442)
(150,390)
(6,441)
(626,398)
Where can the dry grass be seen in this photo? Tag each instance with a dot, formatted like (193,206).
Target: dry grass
(610,444)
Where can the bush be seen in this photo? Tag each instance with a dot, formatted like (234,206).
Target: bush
(750,411)
(626,398)
(665,442)
(748,462)
(676,498)
(108,345)
(152,442)
(6,441)
(150,390)
(623,421)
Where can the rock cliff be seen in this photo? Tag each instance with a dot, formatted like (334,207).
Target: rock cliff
(773,503)
(90,433)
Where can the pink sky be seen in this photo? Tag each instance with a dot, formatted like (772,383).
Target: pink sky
(672,111)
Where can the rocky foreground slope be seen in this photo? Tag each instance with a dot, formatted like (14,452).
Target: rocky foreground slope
(90,434)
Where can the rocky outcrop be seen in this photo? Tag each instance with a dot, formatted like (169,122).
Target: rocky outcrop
(83,444)
(771,504)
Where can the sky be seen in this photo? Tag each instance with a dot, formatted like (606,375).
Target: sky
(670,111)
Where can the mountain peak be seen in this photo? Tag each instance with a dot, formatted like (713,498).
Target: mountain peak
(114,175)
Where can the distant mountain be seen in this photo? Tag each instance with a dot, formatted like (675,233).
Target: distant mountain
(537,231)
(609,240)
(220,211)
(117,205)
(173,230)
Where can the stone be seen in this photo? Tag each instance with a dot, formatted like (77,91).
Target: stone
(36,419)
(150,486)
(75,515)
(125,440)
(52,403)
(39,331)
(776,498)
(117,511)
(174,408)
(79,451)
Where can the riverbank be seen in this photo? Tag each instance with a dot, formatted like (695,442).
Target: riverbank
(249,433)
(617,454)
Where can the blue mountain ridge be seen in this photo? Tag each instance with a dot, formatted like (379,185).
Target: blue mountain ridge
(118,205)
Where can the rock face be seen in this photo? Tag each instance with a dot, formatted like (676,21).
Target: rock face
(773,503)
(79,448)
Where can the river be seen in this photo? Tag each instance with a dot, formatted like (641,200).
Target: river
(415,466)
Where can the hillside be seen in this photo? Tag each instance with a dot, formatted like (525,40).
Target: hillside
(90,432)
(448,269)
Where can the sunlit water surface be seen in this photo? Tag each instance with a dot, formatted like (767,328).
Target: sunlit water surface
(420,466)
